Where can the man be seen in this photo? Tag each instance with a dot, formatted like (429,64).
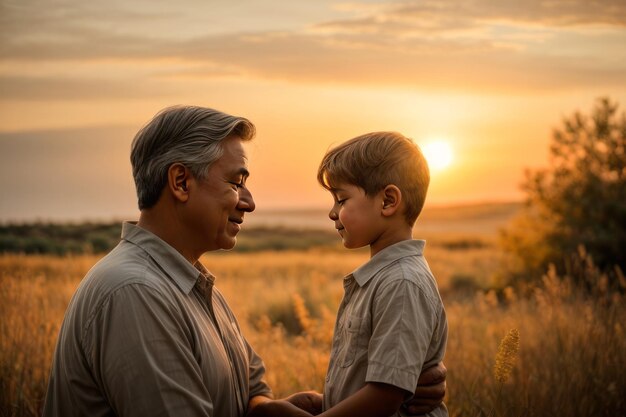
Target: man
(147,333)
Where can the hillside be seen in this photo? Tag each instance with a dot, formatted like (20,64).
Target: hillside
(277,230)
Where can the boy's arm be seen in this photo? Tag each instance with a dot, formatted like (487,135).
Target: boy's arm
(256,401)
(431,389)
(277,408)
(309,401)
(373,400)
(303,404)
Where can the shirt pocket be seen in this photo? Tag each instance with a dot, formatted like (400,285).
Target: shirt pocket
(351,329)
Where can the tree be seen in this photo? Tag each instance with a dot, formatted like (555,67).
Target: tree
(580,199)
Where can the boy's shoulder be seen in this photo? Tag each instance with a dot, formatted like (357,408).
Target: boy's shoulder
(414,269)
(404,264)
(401,261)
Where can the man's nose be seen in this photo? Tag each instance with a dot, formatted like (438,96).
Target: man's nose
(246,202)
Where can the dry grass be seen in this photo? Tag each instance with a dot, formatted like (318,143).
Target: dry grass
(34,292)
(570,362)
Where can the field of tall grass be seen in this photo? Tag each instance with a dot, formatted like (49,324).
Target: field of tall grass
(570,362)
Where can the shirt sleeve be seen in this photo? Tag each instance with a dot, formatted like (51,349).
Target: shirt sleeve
(258,385)
(139,349)
(402,325)
(256,368)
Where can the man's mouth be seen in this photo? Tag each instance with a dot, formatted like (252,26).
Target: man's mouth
(234,220)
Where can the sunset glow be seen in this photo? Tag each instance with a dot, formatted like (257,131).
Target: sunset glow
(439,154)
(494,78)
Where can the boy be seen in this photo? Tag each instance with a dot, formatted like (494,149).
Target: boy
(391,322)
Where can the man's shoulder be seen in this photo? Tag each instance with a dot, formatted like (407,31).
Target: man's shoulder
(126,265)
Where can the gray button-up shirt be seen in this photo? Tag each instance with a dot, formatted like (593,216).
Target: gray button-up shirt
(391,324)
(139,338)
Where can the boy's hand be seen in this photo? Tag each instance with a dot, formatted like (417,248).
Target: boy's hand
(431,388)
(277,408)
(309,401)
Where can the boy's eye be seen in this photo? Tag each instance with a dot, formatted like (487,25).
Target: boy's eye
(341,201)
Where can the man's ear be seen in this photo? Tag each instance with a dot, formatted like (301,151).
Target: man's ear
(392,197)
(178,177)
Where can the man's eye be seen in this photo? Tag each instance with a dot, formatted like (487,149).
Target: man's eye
(237,184)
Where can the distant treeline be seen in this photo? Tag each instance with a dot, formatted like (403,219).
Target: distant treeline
(80,238)
(64,239)
(59,239)
(285,238)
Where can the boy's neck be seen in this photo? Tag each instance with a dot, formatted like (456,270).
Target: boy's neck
(391,237)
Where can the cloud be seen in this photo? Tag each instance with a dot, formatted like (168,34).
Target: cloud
(59,88)
(475,45)
(468,64)
(72,43)
(38,30)
(443,16)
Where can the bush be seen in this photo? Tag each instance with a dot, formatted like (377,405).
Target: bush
(579,200)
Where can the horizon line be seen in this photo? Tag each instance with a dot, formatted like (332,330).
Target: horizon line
(262,211)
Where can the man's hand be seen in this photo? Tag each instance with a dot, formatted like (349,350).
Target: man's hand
(430,391)
(309,401)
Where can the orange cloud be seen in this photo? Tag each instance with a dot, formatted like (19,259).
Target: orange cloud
(427,45)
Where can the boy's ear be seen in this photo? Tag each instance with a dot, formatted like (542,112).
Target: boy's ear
(178,177)
(392,197)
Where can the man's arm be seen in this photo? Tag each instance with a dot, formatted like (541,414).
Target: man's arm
(430,391)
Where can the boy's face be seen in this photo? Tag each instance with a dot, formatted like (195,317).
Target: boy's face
(357,217)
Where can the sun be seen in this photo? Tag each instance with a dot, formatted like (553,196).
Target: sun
(439,154)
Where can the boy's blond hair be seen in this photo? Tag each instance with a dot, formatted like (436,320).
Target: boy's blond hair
(375,160)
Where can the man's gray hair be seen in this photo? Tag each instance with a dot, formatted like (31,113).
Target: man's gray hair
(188,135)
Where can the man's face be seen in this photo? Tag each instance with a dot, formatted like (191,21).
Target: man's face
(219,202)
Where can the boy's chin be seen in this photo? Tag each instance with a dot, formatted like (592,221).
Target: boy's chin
(349,245)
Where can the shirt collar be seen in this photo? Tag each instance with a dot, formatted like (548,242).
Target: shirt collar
(173,263)
(385,257)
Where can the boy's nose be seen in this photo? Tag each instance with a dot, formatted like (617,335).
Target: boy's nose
(333,215)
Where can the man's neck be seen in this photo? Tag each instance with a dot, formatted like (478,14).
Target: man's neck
(165,225)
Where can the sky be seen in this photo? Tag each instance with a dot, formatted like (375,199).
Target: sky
(492,79)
